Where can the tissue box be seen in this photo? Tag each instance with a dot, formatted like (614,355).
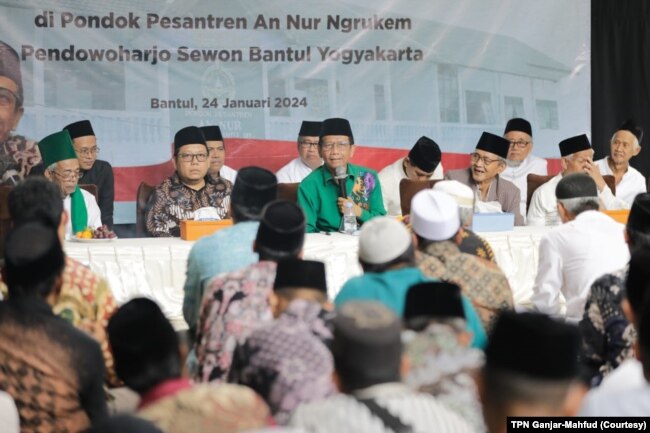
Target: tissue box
(192,230)
(618,215)
(493,222)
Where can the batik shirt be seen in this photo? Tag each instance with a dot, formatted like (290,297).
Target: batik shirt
(473,244)
(607,336)
(234,305)
(480,280)
(172,201)
(20,152)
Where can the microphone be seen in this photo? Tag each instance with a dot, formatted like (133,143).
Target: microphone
(340,177)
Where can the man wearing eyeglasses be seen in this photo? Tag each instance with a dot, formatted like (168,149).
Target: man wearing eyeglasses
(308,156)
(17,154)
(493,193)
(319,194)
(521,162)
(188,189)
(62,168)
(217,151)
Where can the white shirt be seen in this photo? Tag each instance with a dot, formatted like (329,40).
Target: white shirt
(94,214)
(9,419)
(390,177)
(628,375)
(624,392)
(571,257)
(228,173)
(294,172)
(518,175)
(632,183)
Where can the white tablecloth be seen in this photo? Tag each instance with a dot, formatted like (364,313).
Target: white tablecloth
(155,268)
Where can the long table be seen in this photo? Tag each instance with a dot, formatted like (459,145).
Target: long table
(155,267)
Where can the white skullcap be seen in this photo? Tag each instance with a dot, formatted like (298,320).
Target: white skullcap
(434,215)
(383,239)
(461,193)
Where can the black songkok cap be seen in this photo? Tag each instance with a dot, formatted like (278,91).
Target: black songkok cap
(140,336)
(367,342)
(10,67)
(630,125)
(493,144)
(639,218)
(282,227)
(425,154)
(434,299)
(212,133)
(254,187)
(576,185)
(575,144)
(33,254)
(310,129)
(518,124)
(188,135)
(81,128)
(300,274)
(534,345)
(124,424)
(336,126)
(637,283)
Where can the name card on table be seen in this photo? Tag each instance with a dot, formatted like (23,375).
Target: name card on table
(493,222)
(192,230)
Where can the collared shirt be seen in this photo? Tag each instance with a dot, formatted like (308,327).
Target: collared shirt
(234,305)
(345,414)
(94,214)
(294,172)
(172,201)
(390,177)
(53,371)
(543,205)
(21,152)
(480,280)
(607,335)
(571,257)
(101,174)
(390,288)
(519,175)
(631,184)
(318,194)
(224,251)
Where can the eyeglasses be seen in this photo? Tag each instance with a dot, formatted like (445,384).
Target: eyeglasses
(88,151)
(487,161)
(8,99)
(339,146)
(67,174)
(308,144)
(519,143)
(189,157)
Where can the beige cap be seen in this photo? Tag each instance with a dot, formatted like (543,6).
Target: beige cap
(461,193)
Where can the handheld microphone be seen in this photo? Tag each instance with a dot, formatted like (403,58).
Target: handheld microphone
(340,177)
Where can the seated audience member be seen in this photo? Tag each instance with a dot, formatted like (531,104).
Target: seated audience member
(125,424)
(471,243)
(520,161)
(236,303)
(18,154)
(387,257)
(538,378)
(587,245)
(231,248)
(422,163)
(319,194)
(217,151)
(286,361)
(85,299)
(308,156)
(436,343)
(53,371)
(607,335)
(436,224)
(494,193)
(629,375)
(148,360)
(62,168)
(188,189)
(624,145)
(9,418)
(368,364)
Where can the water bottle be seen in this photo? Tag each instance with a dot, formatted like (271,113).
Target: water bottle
(349,221)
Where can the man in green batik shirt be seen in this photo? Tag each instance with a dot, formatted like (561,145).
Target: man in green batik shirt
(318,193)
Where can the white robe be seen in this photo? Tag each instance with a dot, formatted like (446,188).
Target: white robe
(518,175)
(294,172)
(631,184)
(94,214)
(571,257)
(390,177)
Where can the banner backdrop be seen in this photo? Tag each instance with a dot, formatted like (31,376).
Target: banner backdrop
(397,69)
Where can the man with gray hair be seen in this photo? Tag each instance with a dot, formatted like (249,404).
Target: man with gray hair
(571,256)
